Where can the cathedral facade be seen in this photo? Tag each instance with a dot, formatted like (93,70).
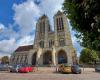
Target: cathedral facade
(50,47)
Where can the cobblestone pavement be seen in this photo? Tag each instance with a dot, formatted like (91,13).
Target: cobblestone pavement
(50,74)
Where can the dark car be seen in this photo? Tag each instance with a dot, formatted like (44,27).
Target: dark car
(76,69)
(3,67)
(14,68)
(97,68)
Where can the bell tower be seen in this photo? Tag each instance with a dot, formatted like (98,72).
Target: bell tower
(41,35)
(62,34)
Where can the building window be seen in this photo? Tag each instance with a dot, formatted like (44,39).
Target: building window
(42,27)
(57,24)
(17,59)
(62,42)
(41,44)
(62,26)
(51,43)
(21,59)
(25,60)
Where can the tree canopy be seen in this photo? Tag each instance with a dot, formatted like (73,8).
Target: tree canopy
(88,56)
(84,17)
(5,60)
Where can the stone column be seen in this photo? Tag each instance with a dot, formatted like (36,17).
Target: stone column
(46,32)
(55,29)
(39,59)
(54,56)
(69,56)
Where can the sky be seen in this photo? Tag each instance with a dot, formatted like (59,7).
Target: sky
(18,21)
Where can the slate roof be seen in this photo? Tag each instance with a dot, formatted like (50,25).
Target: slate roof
(24,48)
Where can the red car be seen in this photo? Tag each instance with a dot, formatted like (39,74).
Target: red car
(30,68)
(25,69)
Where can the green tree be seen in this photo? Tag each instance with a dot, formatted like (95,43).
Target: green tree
(5,60)
(88,56)
(84,17)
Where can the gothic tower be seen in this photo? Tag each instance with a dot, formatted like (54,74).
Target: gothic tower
(62,36)
(42,29)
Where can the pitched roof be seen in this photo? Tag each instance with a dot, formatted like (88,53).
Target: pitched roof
(24,48)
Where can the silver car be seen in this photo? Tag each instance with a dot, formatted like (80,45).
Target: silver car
(14,68)
(3,67)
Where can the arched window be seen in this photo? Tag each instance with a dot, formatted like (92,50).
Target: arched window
(57,24)
(42,27)
(62,42)
(41,44)
(21,59)
(25,61)
(51,43)
(60,25)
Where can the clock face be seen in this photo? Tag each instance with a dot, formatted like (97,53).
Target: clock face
(37,1)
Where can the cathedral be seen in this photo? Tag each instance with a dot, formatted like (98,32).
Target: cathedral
(49,47)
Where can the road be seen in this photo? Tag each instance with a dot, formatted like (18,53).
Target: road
(87,74)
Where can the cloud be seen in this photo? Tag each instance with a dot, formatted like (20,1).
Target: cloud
(27,40)
(8,32)
(7,46)
(50,7)
(1,27)
(26,15)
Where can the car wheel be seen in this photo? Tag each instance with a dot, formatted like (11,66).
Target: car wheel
(17,70)
(79,72)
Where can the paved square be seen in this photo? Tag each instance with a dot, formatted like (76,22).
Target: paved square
(50,75)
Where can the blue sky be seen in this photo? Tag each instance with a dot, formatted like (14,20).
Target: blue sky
(18,19)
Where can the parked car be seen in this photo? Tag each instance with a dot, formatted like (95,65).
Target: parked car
(3,67)
(64,68)
(25,69)
(76,69)
(14,68)
(30,68)
(97,68)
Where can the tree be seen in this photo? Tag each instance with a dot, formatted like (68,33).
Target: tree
(88,56)
(5,60)
(84,17)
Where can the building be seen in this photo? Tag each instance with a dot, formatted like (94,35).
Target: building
(50,47)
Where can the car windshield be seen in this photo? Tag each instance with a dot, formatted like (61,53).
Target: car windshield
(66,65)
(76,66)
(98,66)
(15,66)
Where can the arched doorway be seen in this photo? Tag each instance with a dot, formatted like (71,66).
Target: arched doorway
(34,58)
(62,57)
(47,58)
